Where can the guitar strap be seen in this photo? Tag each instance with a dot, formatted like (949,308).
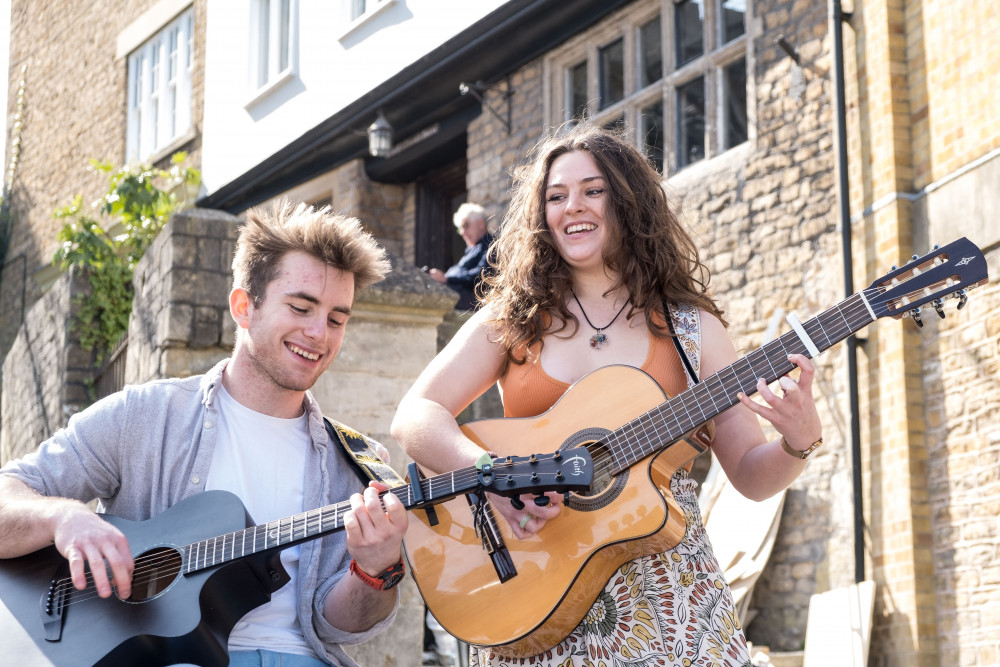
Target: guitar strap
(364,460)
(669,317)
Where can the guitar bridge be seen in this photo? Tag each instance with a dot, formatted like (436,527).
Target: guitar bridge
(488,531)
(53,604)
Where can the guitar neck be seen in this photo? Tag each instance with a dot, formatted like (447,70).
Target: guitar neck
(299,528)
(670,421)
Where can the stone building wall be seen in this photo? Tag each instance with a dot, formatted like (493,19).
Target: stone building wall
(180,323)
(85,88)
(44,376)
(924,164)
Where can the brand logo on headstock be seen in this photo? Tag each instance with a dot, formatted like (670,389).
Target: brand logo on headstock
(577,465)
(964,261)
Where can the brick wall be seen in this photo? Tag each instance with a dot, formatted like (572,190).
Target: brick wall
(923,155)
(83,87)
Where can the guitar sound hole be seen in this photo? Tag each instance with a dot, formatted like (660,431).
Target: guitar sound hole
(154,571)
(605,487)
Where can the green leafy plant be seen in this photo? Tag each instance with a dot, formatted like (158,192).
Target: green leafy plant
(138,202)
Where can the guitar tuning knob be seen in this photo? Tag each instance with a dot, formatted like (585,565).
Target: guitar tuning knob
(915,313)
(541,501)
(939,307)
(517,503)
(962,299)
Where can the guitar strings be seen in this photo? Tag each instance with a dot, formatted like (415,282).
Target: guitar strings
(644,435)
(312,522)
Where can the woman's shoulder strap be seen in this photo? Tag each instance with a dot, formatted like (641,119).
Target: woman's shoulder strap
(684,323)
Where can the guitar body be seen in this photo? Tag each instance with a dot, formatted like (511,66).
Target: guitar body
(189,620)
(561,570)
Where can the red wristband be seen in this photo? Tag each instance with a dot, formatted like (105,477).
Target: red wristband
(383,581)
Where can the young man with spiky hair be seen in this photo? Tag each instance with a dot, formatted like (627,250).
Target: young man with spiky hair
(248,426)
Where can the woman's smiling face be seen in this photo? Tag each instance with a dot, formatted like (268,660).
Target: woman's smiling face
(575,196)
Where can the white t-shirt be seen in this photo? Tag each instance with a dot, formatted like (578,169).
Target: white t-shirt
(262,459)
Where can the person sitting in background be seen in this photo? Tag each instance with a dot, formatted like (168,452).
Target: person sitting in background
(466,275)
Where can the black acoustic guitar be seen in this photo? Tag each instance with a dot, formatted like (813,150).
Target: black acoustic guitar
(199,568)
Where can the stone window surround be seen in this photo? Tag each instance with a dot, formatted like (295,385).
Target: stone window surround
(152,25)
(625,24)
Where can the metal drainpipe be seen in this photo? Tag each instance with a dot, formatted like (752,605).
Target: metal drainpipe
(852,344)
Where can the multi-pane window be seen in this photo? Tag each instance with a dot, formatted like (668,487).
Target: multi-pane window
(271,42)
(159,89)
(673,72)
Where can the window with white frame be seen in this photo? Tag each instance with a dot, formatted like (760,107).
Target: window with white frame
(272,43)
(361,7)
(672,71)
(159,89)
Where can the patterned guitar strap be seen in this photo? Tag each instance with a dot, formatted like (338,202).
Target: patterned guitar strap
(366,462)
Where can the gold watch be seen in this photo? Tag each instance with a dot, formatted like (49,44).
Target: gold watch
(800,453)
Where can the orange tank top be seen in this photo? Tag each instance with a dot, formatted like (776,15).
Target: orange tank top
(527,390)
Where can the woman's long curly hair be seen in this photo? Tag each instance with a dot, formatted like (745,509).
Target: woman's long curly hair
(648,249)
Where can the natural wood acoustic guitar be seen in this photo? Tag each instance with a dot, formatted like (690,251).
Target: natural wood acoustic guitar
(523,597)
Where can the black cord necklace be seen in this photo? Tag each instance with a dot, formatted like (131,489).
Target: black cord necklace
(599,339)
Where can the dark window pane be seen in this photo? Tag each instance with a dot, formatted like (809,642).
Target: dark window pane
(732,15)
(650,53)
(691,122)
(688,18)
(734,94)
(578,89)
(651,133)
(617,124)
(612,73)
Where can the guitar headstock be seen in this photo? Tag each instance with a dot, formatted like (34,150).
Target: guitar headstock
(560,472)
(942,273)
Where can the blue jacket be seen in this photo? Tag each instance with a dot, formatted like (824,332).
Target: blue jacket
(466,275)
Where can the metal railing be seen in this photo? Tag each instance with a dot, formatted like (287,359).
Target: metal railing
(111,377)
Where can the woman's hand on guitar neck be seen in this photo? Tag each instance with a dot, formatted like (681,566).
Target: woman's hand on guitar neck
(532,517)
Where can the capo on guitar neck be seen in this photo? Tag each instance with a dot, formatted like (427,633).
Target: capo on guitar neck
(415,476)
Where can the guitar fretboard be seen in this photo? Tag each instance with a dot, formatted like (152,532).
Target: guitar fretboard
(689,409)
(306,526)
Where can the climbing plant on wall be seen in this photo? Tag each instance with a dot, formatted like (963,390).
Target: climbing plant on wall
(108,241)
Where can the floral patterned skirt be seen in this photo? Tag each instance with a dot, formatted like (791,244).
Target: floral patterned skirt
(671,609)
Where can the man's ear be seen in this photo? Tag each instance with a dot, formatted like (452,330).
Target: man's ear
(240,305)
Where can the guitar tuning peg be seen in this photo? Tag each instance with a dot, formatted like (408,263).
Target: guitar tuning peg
(939,307)
(915,314)
(915,258)
(541,500)
(962,299)
(517,503)
(936,247)
(894,267)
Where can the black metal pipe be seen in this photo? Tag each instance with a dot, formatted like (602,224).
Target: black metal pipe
(852,343)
